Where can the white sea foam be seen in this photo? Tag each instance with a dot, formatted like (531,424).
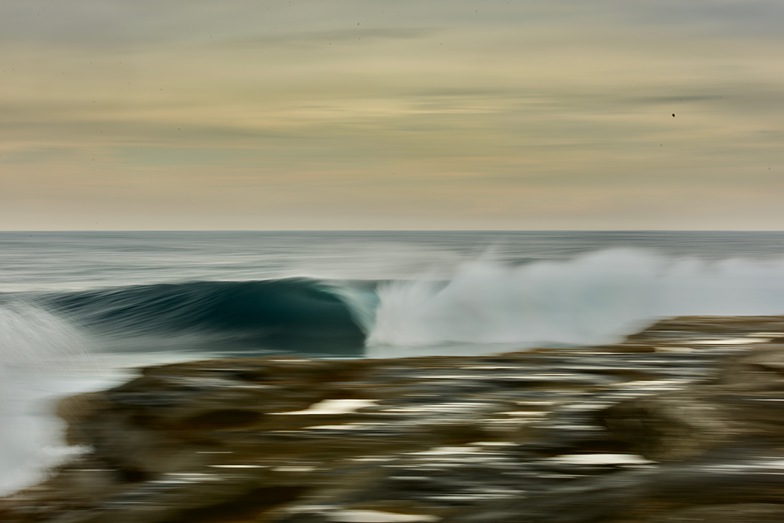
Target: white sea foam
(44,357)
(592,299)
(334,406)
(36,348)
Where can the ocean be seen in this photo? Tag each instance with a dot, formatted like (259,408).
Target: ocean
(79,309)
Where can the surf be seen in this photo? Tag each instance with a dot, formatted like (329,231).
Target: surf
(36,346)
(592,299)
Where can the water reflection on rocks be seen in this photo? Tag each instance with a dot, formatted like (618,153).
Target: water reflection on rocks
(664,427)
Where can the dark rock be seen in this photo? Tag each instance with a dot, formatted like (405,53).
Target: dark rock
(661,428)
(722,513)
(743,405)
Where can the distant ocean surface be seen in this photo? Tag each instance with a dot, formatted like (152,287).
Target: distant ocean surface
(78,308)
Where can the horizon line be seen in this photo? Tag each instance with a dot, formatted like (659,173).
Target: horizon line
(28,231)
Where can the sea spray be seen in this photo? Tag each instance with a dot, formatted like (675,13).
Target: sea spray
(36,347)
(592,299)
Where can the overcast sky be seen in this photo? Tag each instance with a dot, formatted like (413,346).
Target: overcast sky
(404,114)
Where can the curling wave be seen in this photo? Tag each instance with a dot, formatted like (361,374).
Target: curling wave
(591,299)
(254,310)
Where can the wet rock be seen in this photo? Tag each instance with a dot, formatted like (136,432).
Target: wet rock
(681,421)
(722,513)
(744,404)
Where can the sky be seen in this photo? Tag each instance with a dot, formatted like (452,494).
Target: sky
(404,114)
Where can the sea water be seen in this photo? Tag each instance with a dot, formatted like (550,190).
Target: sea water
(79,309)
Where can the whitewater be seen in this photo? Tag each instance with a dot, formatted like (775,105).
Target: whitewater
(77,310)
(590,300)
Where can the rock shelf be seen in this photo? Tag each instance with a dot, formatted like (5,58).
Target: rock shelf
(682,422)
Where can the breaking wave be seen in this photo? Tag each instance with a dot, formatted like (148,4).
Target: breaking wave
(284,311)
(34,345)
(592,299)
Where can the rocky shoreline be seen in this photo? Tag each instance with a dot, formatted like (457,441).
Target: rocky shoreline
(682,422)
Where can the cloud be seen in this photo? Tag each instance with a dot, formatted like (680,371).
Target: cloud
(321,38)
(724,18)
(452,105)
